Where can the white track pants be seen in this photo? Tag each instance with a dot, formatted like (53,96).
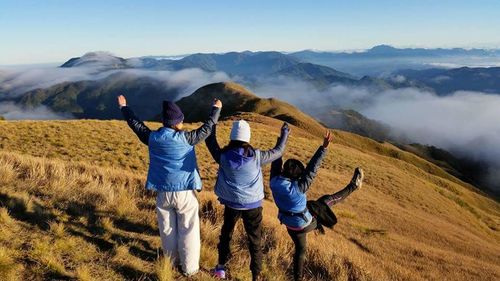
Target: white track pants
(179,226)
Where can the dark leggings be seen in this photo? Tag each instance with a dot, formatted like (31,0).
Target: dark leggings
(252,221)
(332,199)
(300,237)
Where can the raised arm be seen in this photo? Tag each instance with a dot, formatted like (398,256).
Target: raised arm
(213,145)
(139,128)
(312,167)
(195,136)
(276,165)
(275,153)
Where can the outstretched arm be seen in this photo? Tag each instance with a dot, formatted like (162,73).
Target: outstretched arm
(275,153)
(276,165)
(195,136)
(213,145)
(139,128)
(312,167)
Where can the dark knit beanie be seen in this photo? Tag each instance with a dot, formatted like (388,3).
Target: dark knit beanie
(171,114)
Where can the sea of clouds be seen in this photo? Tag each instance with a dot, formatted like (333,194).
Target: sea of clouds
(465,123)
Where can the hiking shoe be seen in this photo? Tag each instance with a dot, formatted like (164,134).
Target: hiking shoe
(357,178)
(191,273)
(219,272)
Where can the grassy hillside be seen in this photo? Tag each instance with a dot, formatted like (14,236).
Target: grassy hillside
(72,206)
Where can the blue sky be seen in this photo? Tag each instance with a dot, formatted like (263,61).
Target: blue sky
(54,30)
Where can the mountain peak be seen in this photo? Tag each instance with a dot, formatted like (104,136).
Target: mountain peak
(96,59)
(238,99)
(382,49)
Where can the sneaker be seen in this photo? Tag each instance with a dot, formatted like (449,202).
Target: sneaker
(219,272)
(357,178)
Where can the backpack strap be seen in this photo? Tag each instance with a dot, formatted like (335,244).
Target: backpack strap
(292,214)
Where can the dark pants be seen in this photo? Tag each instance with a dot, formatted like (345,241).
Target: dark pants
(300,237)
(300,240)
(252,221)
(332,199)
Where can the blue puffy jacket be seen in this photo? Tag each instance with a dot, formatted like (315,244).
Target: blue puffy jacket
(240,182)
(291,202)
(172,162)
(290,195)
(172,158)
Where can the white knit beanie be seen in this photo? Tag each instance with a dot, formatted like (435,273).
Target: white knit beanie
(240,131)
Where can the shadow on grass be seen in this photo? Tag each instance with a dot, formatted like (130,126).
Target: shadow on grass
(27,211)
(135,227)
(130,273)
(360,245)
(24,208)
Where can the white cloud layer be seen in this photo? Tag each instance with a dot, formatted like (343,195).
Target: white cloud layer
(465,123)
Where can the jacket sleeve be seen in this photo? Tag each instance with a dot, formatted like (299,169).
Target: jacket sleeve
(275,153)
(139,128)
(306,179)
(195,136)
(276,165)
(213,146)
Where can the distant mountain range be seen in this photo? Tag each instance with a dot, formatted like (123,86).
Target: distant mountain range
(384,59)
(447,81)
(247,67)
(389,51)
(233,63)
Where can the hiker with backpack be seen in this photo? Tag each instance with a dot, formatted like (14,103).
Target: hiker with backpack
(289,184)
(173,175)
(240,188)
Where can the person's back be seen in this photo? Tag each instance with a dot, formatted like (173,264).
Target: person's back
(172,161)
(173,175)
(240,188)
(290,200)
(240,178)
(289,184)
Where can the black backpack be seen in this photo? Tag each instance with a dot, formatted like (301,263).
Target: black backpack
(323,214)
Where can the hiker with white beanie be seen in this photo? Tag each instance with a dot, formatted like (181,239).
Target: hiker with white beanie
(240,188)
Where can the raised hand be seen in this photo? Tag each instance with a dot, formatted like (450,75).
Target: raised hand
(217,103)
(122,101)
(328,138)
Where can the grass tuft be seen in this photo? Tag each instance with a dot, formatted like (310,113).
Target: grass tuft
(164,270)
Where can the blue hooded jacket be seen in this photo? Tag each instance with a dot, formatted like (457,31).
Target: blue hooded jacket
(240,182)
(290,195)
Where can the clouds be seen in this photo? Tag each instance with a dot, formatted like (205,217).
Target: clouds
(11,111)
(465,123)
(16,81)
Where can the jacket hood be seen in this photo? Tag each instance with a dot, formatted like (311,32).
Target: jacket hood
(236,158)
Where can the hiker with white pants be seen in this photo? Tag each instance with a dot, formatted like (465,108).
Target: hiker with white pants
(173,175)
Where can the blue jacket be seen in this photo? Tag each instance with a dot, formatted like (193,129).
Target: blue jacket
(290,195)
(172,158)
(240,182)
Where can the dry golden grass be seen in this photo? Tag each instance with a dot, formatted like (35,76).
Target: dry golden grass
(79,211)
